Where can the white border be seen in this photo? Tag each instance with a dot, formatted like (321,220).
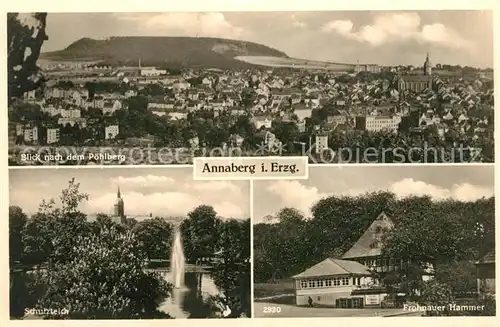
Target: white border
(243,5)
(251,246)
(339,165)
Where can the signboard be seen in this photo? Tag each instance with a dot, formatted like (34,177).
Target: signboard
(372,299)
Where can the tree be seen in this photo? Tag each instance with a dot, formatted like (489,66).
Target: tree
(199,233)
(61,225)
(37,239)
(105,279)
(17,223)
(454,231)
(155,236)
(19,293)
(286,132)
(231,269)
(460,276)
(436,293)
(24,39)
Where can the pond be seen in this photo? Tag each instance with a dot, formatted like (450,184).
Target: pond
(189,301)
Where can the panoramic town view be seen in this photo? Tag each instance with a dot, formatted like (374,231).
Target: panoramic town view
(136,244)
(366,241)
(162,88)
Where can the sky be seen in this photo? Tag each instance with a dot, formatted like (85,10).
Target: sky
(463,183)
(163,192)
(379,37)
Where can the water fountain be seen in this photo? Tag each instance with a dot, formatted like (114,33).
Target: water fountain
(184,301)
(177,261)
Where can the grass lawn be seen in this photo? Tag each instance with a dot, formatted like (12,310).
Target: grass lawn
(274,289)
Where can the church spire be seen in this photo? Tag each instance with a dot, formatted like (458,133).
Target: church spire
(427,65)
(118,194)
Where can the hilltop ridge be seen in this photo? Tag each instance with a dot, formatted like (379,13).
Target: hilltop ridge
(199,52)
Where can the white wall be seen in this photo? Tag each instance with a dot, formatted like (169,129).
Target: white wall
(324,296)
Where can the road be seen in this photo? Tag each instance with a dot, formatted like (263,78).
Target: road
(287,310)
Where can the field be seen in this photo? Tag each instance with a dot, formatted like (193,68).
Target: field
(294,63)
(280,291)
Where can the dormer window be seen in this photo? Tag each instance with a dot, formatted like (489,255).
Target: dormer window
(374,244)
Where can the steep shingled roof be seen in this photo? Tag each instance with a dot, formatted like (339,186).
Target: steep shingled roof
(369,244)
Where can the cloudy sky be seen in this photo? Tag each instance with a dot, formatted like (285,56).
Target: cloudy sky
(382,37)
(464,183)
(160,191)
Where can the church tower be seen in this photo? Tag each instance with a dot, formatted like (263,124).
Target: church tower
(427,66)
(119,210)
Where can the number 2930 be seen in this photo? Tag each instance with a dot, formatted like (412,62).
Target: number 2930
(271,309)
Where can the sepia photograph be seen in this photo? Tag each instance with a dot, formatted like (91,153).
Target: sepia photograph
(127,244)
(336,86)
(376,241)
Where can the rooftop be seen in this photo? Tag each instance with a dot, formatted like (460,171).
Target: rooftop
(369,245)
(488,258)
(332,267)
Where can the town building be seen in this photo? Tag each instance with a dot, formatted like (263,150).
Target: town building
(53,135)
(330,280)
(367,68)
(414,83)
(71,113)
(19,129)
(486,275)
(111,131)
(119,209)
(355,280)
(321,143)
(427,66)
(30,134)
(378,123)
(417,83)
(111,106)
(81,122)
(152,71)
(303,112)
(260,121)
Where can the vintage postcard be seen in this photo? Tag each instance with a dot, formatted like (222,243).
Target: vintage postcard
(368,241)
(127,244)
(252,159)
(334,86)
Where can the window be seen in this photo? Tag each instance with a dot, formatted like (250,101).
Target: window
(303,283)
(311,283)
(320,283)
(345,280)
(328,283)
(336,282)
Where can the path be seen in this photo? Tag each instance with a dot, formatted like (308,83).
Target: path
(287,310)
